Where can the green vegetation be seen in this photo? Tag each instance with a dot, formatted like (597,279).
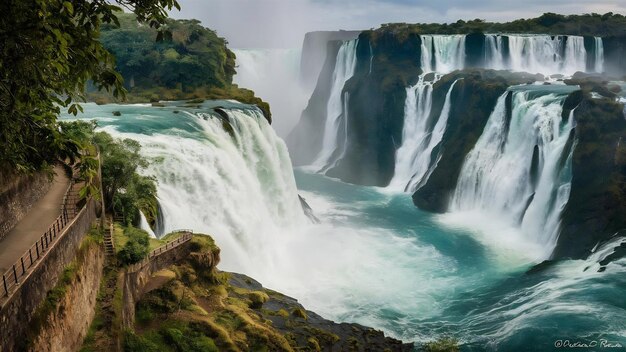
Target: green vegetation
(135,248)
(445,344)
(593,24)
(125,191)
(49,51)
(191,62)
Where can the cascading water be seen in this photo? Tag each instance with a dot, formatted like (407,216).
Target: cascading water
(546,54)
(599,55)
(442,53)
(519,169)
(494,52)
(370,255)
(143,224)
(414,162)
(335,112)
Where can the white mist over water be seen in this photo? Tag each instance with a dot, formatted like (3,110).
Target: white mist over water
(270,73)
(519,171)
(335,110)
(414,162)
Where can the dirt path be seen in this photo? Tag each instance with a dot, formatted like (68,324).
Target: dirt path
(33,225)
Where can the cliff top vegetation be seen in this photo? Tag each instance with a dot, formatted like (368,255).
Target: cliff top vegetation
(608,24)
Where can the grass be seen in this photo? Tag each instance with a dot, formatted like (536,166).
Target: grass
(120,238)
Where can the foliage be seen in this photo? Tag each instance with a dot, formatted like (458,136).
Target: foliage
(50,49)
(191,63)
(136,343)
(136,248)
(193,56)
(445,344)
(125,191)
(592,24)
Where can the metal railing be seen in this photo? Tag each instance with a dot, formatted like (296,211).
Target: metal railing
(186,237)
(11,278)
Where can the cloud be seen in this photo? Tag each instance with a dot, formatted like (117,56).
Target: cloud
(282,23)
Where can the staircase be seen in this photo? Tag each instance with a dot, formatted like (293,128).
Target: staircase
(109,246)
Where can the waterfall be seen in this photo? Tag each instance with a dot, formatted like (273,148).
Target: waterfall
(448,50)
(599,55)
(494,52)
(344,69)
(414,161)
(547,54)
(143,224)
(230,177)
(519,169)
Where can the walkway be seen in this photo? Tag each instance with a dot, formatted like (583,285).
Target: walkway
(35,223)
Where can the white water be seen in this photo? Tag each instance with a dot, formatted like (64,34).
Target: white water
(546,54)
(449,53)
(335,109)
(496,182)
(494,52)
(270,73)
(599,55)
(143,224)
(414,162)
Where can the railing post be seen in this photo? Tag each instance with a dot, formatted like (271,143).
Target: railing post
(30,254)
(15,274)
(6,289)
(23,267)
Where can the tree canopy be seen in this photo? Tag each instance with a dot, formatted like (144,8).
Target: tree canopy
(49,50)
(593,24)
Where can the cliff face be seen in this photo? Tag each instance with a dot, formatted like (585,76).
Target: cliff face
(597,206)
(386,65)
(192,306)
(315,51)
(306,138)
(64,317)
(468,115)
(615,55)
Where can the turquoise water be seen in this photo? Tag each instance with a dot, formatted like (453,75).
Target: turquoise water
(375,259)
(493,304)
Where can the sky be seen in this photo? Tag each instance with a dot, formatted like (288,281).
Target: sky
(282,23)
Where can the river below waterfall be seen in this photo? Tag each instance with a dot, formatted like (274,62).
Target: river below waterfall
(375,259)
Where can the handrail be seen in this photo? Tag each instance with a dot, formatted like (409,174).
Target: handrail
(186,237)
(10,278)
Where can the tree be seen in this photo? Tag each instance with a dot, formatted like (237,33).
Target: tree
(50,50)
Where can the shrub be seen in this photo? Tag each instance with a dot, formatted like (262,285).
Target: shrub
(257,299)
(445,344)
(136,343)
(137,247)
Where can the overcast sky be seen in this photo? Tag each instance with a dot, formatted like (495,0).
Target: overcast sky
(282,23)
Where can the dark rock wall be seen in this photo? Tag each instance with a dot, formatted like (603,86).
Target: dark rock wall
(473,99)
(376,106)
(597,206)
(305,141)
